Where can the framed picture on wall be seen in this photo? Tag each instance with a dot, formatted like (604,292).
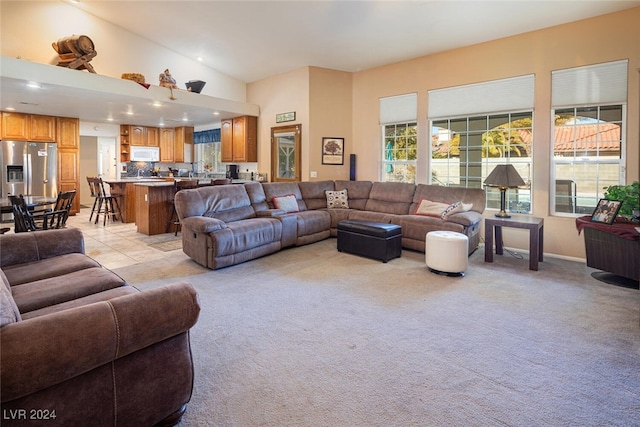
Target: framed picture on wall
(332,151)
(606,211)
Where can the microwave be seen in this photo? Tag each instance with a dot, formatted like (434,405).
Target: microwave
(145,154)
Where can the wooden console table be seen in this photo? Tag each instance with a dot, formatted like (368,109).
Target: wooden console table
(536,234)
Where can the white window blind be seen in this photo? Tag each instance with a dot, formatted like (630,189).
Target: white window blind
(593,84)
(399,109)
(512,94)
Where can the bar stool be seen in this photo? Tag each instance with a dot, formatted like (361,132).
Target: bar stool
(173,218)
(104,203)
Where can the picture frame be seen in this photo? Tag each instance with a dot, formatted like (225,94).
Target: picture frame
(286,117)
(332,151)
(606,211)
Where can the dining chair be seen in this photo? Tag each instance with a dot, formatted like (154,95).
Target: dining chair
(25,220)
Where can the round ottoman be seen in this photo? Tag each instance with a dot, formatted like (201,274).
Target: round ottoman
(447,252)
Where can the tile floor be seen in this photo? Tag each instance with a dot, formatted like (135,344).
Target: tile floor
(116,244)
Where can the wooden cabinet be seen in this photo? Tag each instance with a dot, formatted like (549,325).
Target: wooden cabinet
(153,139)
(226,138)
(167,145)
(125,151)
(15,126)
(137,135)
(183,147)
(68,132)
(239,139)
(42,128)
(68,138)
(28,127)
(152,208)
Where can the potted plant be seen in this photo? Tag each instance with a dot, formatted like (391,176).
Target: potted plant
(630,197)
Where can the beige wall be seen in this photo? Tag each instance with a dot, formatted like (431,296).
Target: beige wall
(29,27)
(605,38)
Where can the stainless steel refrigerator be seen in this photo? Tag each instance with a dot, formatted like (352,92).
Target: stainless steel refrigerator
(29,168)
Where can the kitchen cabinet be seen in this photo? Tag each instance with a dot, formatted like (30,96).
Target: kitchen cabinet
(137,135)
(28,127)
(239,139)
(183,145)
(15,126)
(167,145)
(153,139)
(68,139)
(68,132)
(42,128)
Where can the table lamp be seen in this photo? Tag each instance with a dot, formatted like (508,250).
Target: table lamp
(503,177)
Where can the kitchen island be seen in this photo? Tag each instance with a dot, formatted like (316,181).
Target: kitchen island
(125,189)
(152,207)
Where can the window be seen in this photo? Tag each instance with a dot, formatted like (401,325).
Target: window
(398,122)
(207,152)
(400,152)
(465,150)
(476,127)
(589,110)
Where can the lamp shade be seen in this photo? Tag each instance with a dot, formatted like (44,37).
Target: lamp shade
(504,176)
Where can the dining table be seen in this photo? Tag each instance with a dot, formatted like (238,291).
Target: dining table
(31,201)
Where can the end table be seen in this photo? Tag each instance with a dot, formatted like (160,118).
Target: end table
(536,234)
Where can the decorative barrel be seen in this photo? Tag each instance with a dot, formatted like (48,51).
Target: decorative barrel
(78,45)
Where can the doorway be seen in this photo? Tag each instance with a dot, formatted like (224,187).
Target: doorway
(285,153)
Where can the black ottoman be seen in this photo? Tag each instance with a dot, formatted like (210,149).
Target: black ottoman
(375,240)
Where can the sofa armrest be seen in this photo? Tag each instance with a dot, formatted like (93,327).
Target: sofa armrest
(465,218)
(47,350)
(203,224)
(270,213)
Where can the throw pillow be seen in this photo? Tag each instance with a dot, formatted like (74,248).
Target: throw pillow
(337,199)
(431,208)
(287,203)
(455,208)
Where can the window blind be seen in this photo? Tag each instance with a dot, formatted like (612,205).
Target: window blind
(494,96)
(592,84)
(399,109)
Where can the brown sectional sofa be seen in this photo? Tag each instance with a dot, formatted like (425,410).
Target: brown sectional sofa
(229,224)
(80,344)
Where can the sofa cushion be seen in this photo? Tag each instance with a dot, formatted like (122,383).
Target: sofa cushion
(48,268)
(313,193)
(275,189)
(78,302)
(58,289)
(390,197)
(9,312)
(241,236)
(224,202)
(287,203)
(337,199)
(358,192)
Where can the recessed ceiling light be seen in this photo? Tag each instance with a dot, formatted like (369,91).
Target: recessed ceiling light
(10,109)
(157,104)
(130,113)
(200,58)
(184,119)
(216,113)
(34,85)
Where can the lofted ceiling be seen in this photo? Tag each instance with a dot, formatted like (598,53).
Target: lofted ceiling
(252,40)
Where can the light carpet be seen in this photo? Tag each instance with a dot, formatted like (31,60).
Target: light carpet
(313,337)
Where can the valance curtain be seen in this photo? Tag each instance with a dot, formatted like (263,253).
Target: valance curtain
(205,136)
